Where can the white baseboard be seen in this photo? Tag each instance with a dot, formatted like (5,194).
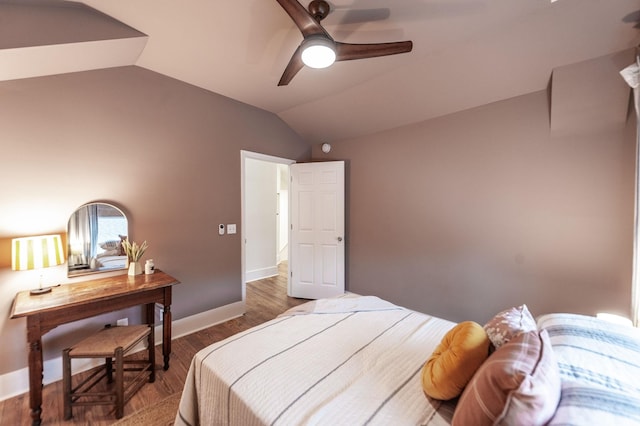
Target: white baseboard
(259,274)
(16,382)
(197,322)
(283,254)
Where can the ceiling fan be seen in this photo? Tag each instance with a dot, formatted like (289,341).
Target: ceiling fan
(318,49)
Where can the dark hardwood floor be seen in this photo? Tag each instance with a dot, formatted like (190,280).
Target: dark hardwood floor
(266,299)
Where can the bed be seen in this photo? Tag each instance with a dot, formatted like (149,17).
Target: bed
(111,262)
(357,360)
(111,254)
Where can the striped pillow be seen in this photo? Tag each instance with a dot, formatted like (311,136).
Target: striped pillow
(519,384)
(110,245)
(599,366)
(592,405)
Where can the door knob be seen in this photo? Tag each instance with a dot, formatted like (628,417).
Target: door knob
(339,239)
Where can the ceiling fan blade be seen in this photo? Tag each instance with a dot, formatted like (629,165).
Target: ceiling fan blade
(349,51)
(362,16)
(302,18)
(295,64)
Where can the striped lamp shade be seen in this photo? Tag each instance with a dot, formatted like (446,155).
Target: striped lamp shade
(37,252)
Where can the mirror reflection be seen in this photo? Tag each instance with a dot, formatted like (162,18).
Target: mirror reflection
(94,234)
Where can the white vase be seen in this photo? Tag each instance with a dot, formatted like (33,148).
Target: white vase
(135,268)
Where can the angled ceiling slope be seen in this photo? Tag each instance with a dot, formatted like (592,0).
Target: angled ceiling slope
(48,37)
(590,96)
(466,53)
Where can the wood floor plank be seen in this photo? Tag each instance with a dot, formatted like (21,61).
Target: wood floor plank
(266,299)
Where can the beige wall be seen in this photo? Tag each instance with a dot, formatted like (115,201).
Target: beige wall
(468,214)
(459,216)
(166,152)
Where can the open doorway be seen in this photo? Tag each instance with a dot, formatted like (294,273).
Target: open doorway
(265,207)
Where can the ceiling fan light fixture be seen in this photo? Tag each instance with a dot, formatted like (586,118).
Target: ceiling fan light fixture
(318,52)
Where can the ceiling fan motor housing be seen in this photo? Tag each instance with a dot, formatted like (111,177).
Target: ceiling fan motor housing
(319,9)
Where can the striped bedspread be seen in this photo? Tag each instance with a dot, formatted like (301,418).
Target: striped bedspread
(353,360)
(600,370)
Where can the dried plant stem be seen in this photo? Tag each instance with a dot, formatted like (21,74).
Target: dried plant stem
(134,251)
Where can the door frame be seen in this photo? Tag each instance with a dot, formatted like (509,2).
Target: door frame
(244,155)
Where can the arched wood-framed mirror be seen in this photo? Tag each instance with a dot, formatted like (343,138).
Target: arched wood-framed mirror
(94,235)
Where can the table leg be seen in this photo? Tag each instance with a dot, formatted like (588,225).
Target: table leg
(35,381)
(151,321)
(166,335)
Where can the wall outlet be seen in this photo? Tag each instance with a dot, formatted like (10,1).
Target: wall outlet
(122,322)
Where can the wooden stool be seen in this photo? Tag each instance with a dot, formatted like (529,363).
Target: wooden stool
(108,343)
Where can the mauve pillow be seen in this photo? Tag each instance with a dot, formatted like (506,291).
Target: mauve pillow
(454,361)
(508,324)
(519,384)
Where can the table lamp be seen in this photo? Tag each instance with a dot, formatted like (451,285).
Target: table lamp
(37,252)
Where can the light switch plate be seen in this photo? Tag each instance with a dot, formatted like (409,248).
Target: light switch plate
(231,228)
(221,229)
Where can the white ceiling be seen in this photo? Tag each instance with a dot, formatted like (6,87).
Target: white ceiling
(466,53)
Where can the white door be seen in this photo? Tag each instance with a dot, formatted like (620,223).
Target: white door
(317,230)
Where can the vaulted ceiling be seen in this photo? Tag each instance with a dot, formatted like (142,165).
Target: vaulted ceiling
(466,53)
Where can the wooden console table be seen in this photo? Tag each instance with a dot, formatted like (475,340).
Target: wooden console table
(72,302)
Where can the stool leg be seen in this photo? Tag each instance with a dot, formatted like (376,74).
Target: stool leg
(109,367)
(151,343)
(66,383)
(119,383)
